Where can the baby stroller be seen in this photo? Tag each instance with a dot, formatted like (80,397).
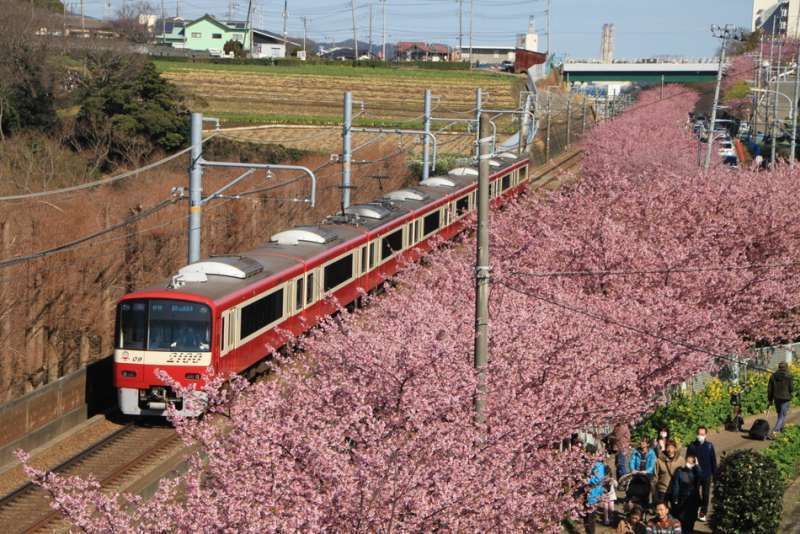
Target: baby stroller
(637,489)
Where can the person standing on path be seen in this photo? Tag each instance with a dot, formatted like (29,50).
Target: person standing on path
(703,451)
(594,490)
(662,523)
(668,462)
(684,494)
(779,391)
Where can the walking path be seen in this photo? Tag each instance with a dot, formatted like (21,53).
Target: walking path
(726,442)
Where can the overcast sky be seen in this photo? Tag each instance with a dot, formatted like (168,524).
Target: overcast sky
(643,27)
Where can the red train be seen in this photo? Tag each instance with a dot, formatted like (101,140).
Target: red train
(227,312)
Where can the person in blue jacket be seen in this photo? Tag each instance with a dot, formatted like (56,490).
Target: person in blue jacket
(703,450)
(643,459)
(594,489)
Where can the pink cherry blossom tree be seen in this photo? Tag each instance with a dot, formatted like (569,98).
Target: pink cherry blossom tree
(604,294)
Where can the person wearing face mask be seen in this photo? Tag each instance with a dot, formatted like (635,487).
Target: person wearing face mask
(661,442)
(684,494)
(703,451)
(668,462)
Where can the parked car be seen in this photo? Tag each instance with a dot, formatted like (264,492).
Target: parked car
(507,66)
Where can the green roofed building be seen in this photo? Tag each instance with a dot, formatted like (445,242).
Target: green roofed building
(208,34)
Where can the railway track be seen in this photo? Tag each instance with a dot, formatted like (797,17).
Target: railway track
(116,462)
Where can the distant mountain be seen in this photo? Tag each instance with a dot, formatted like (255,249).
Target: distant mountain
(348,43)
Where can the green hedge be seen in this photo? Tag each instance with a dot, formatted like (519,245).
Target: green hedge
(710,407)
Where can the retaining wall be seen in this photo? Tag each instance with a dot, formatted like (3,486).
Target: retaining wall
(42,415)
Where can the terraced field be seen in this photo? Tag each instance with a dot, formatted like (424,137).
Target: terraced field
(312,94)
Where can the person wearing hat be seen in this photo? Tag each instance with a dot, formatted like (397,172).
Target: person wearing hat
(779,391)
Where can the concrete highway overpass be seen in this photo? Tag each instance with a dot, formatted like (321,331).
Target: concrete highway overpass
(641,72)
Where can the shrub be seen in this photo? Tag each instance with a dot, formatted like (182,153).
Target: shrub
(128,110)
(785,452)
(748,494)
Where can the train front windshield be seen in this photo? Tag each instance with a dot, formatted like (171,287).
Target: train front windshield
(166,325)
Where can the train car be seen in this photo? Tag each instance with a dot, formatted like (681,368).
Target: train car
(228,313)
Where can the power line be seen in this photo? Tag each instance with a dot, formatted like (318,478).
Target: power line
(554,274)
(104,181)
(10,262)
(605,319)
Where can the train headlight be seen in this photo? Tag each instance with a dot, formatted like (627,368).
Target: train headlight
(192,376)
(129,374)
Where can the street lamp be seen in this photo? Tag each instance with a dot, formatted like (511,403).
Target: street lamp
(774,124)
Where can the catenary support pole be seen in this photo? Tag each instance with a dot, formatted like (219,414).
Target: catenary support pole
(347,148)
(774,145)
(478,105)
(482,269)
(583,115)
(569,117)
(524,124)
(547,133)
(426,142)
(196,188)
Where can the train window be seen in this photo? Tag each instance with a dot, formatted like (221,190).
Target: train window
(310,289)
(298,294)
(222,335)
(523,174)
(338,272)
(431,223)
(177,325)
(392,243)
(132,325)
(372,255)
(506,181)
(364,258)
(462,205)
(261,313)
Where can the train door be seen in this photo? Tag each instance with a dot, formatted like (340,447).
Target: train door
(229,328)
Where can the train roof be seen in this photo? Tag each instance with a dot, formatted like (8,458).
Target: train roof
(287,252)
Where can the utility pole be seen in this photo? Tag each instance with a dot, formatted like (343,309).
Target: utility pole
(355,32)
(177,8)
(460,25)
(369,47)
(163,18)
(347,148)
(196,188)
(756,103)
(725,33)
(231,9)
(548,27)
(426,142)
(774,144)
(383,29)
(478,104)
(662,88)
(83,14)
(793,147)
(305,36)
(249,25)
(285,17)
(482,268)
(471,13)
